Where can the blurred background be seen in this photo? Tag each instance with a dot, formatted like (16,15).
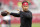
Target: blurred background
(12,5)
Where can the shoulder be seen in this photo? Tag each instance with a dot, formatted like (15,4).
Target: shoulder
(20,11)
(30,12)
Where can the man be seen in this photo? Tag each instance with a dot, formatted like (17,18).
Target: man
(25,15)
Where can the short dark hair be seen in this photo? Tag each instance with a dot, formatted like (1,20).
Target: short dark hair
(24,1)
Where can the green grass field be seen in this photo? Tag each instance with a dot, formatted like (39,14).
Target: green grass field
(18,25)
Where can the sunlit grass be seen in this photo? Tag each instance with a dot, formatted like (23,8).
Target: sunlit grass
(18,25)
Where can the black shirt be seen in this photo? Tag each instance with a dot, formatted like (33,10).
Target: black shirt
(25,17)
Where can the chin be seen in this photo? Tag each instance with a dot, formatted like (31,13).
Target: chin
(25,10)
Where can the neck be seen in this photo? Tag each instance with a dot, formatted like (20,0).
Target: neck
(25,11)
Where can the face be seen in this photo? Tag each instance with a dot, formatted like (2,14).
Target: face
(25,8)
